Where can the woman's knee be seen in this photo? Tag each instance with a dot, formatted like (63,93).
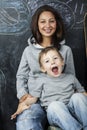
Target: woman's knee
(29,124)
(31,118)
(34,112)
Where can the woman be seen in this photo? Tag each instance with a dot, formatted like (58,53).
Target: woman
(47,30)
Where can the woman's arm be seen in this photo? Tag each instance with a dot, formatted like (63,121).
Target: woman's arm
(25,104)
(68,58)
(22,76)
(30,100)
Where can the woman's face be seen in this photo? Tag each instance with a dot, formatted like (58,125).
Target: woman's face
(47,24)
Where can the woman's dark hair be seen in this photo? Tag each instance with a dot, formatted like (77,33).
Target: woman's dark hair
(60,32)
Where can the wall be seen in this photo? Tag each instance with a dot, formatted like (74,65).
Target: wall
(15,17)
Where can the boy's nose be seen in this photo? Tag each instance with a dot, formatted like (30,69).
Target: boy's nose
(52,62)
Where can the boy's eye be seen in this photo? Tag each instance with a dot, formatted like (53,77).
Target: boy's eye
(46,61)
(55,57)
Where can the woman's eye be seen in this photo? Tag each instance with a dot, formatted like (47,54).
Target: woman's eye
(52,21)
(42,22)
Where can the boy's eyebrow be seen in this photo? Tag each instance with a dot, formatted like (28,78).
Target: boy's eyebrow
(45,59)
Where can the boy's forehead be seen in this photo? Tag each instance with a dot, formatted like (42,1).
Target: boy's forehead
(52,52)
(49,53)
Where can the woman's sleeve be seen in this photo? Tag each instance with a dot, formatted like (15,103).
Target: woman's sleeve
(78,87)
(22,76)
(69,62)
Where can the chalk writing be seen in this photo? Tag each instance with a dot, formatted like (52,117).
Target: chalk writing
(14,17)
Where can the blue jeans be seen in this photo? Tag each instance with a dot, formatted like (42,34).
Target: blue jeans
(32,119)
(69,117)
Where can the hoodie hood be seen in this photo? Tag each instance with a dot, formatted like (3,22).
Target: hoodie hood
(31,40)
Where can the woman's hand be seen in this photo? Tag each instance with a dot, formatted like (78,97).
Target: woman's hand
(24,97)
(21,107)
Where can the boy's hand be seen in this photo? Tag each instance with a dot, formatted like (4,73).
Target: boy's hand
(85,93)
(21,107)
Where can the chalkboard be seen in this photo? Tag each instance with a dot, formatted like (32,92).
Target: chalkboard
(15,18)
(85,31)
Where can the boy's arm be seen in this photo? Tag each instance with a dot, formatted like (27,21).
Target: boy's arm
(85,93)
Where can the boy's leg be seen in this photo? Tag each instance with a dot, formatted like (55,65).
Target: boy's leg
(78,107)
(32,119)
(59,115)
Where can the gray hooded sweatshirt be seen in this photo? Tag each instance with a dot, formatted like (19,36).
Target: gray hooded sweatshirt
(29,66)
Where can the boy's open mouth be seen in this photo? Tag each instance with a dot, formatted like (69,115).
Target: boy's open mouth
(55,70)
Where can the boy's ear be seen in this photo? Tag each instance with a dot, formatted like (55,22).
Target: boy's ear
(42,69)
(63,62)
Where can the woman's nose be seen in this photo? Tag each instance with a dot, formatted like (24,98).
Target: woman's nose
(47,24)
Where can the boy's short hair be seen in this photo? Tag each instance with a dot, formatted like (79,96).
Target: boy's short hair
(45,51)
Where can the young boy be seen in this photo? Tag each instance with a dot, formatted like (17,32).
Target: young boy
(60,94)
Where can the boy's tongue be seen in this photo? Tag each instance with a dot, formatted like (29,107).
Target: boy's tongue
(55,70)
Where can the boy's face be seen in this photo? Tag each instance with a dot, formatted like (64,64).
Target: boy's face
(52,64)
